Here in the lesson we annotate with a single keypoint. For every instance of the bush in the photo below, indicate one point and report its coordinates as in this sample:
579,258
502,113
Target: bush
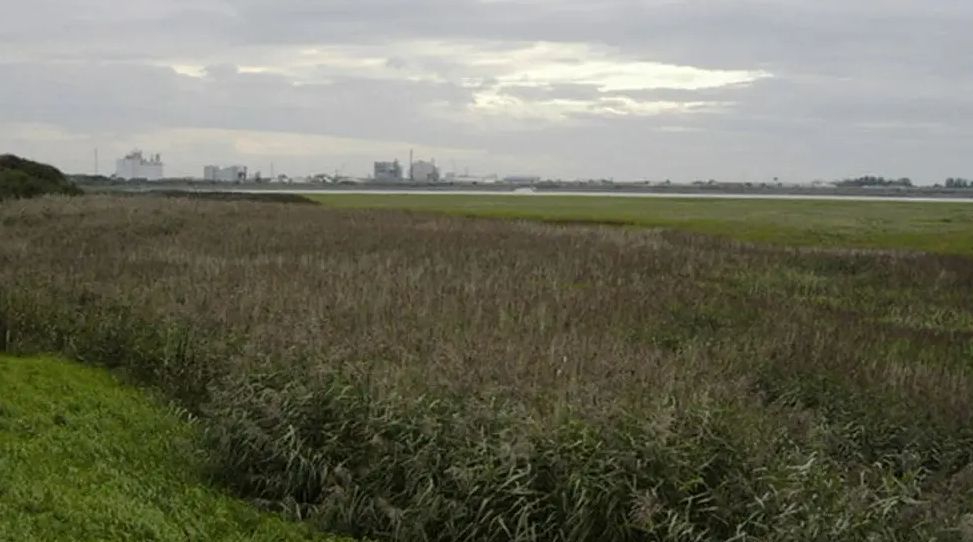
21,179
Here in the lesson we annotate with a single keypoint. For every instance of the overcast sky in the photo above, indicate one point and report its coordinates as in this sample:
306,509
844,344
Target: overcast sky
682,89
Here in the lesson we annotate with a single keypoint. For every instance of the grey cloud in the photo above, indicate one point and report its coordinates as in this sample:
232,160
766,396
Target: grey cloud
84,96
222,72
824,36
553,92
840,103
396,63
795,104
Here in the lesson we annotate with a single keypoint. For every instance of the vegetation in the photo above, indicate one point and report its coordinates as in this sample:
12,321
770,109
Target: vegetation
936,227
21,178
958,183
275,197
83,458
402,376
872,180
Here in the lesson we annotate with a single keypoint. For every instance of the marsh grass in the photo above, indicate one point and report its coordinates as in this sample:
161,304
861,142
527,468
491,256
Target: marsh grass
945,228
402,376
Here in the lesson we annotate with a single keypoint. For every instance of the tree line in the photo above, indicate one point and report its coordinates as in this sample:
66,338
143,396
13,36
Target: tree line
905,182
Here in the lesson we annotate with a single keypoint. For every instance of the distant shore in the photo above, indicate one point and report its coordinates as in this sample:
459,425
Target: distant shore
828,192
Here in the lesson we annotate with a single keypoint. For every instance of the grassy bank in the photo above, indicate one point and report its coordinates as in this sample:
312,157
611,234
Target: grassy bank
426,377
83,458
938,227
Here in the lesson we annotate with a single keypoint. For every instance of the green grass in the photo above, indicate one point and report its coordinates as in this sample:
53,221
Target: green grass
84,458
945,228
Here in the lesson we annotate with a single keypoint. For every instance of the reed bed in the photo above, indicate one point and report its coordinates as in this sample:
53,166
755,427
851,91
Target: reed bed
400,376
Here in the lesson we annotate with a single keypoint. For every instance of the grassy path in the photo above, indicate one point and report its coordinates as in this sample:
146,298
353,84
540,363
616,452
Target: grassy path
84,458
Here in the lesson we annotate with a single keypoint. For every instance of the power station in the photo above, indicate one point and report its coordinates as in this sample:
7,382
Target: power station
419,171
138,166
227,174
135,165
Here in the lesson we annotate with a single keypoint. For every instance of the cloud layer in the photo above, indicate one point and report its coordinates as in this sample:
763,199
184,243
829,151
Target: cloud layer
734,90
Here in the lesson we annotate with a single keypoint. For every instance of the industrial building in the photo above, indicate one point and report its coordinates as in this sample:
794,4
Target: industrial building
227,174
522,179
135,165
423,171
452,177
388,171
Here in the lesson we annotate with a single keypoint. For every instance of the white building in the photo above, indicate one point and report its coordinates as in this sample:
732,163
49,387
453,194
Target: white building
226,174
425,171
136,166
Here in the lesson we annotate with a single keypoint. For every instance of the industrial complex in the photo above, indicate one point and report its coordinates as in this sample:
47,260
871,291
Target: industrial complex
137,166
419,171
421,174
228,173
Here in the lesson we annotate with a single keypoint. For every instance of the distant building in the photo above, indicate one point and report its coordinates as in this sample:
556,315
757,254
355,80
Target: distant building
225,174
425,171
522,179
136,166
469,179
388,171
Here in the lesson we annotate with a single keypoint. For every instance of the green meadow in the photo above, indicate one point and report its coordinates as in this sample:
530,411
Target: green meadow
943,227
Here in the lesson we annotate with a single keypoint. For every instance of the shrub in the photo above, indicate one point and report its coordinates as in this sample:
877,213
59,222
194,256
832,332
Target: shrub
21,178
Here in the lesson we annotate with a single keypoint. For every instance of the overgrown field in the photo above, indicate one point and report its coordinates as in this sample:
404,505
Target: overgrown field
400,376
931,226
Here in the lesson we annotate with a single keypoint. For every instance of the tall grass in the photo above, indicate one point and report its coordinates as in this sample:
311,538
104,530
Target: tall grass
406,377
